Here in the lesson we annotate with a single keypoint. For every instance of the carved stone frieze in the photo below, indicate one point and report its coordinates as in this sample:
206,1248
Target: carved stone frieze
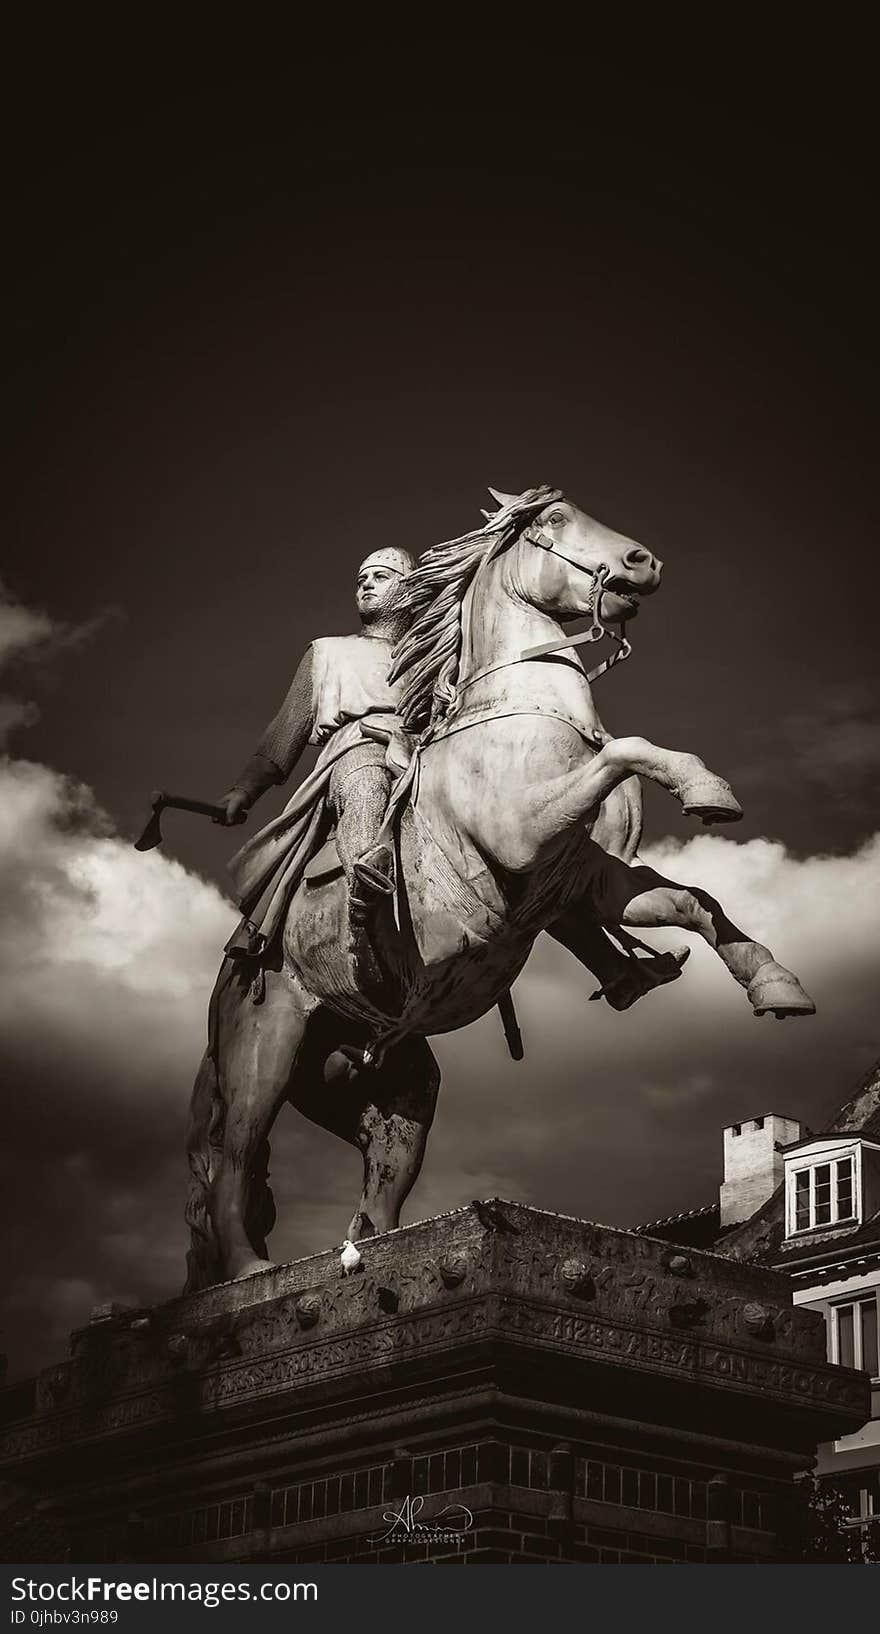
566,1286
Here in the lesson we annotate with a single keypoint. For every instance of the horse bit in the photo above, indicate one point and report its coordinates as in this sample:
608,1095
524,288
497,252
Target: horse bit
595,633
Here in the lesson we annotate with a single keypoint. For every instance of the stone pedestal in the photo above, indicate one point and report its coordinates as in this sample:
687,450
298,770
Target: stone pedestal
498,1384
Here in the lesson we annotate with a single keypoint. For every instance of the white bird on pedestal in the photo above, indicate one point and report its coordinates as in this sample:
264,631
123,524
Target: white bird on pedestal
349,1259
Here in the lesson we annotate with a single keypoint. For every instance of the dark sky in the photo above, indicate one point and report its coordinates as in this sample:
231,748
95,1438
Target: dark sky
262,323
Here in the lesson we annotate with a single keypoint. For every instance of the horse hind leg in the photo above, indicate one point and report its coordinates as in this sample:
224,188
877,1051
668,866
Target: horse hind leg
258,1049
205,1142
392,1132
204,1260
385,1113
204,1146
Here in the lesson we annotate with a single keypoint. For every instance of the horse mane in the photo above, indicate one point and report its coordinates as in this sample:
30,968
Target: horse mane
431,597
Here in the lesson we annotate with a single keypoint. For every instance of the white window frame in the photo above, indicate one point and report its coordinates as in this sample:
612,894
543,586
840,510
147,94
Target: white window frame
834,1330
808,1164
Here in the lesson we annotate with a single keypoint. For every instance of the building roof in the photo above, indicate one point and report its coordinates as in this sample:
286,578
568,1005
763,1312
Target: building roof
760,1238
695,1227
828,1134
673,1219
834,1246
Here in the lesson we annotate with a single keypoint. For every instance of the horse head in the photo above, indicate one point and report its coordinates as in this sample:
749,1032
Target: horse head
546,553
568,564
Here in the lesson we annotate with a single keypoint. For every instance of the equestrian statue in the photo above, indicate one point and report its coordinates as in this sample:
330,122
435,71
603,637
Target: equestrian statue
466,797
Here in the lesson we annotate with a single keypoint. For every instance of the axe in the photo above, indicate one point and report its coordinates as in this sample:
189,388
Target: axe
152,835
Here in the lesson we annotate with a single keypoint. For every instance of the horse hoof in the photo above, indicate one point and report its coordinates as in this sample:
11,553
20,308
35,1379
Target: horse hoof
775,991
710,799
707,818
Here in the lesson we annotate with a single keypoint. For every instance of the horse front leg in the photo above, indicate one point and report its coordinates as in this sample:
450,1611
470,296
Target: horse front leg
702,793
522,836
640,897
769,986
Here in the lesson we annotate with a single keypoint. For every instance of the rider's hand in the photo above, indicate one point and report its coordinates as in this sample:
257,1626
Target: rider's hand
235,808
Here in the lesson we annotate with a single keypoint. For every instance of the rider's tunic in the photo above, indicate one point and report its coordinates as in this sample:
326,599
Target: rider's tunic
341,680
349,680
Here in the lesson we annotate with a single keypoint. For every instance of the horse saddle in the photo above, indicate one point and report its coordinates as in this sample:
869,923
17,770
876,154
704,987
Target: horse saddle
325,864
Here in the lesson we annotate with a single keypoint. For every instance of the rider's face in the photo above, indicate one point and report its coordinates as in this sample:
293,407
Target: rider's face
375,588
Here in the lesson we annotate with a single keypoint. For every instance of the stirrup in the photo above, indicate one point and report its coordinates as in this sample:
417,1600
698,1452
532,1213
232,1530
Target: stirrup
644,975
373,874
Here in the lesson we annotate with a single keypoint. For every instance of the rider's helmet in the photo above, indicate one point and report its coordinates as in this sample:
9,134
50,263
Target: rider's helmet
399,561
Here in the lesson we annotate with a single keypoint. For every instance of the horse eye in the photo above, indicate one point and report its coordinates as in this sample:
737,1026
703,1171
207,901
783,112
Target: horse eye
556,520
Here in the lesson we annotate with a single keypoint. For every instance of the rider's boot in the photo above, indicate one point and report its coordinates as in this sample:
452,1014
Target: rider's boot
636,977
374,934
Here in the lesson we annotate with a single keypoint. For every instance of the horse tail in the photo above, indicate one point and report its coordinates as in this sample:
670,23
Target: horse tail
207,1122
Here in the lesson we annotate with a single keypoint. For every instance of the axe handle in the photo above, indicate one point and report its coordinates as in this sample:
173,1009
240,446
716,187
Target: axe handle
179,802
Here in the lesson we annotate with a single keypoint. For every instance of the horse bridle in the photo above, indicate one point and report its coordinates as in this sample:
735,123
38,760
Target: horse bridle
596,632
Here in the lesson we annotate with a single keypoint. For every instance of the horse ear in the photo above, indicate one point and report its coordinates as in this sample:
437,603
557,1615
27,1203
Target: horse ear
503,499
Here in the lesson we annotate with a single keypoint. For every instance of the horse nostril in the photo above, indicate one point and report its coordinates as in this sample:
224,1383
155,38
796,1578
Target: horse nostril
640,557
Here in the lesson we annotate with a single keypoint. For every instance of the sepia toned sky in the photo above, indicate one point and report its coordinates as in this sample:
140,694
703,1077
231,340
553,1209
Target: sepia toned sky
259,326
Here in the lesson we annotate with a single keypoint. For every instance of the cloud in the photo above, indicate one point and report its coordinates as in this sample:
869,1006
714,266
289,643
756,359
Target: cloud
619,1117
107,958
33,634
20,627
32,638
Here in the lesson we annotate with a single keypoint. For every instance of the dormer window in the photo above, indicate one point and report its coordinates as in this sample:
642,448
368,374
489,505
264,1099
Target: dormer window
825,1179
823,1194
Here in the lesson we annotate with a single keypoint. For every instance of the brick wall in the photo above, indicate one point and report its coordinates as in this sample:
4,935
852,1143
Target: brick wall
527,1503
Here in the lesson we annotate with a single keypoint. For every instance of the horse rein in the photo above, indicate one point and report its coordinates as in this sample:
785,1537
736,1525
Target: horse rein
595,633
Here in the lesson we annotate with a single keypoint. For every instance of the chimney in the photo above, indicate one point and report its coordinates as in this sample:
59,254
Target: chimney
753,1164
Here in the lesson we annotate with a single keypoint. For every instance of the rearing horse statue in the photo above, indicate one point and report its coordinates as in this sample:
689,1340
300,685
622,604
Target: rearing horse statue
518,814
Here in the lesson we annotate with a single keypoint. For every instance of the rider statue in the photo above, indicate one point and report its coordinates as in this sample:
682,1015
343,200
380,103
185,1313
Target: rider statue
340,700
442,829
340,682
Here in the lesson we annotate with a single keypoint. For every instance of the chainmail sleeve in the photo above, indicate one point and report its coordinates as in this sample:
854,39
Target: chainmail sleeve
289,731
284,739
